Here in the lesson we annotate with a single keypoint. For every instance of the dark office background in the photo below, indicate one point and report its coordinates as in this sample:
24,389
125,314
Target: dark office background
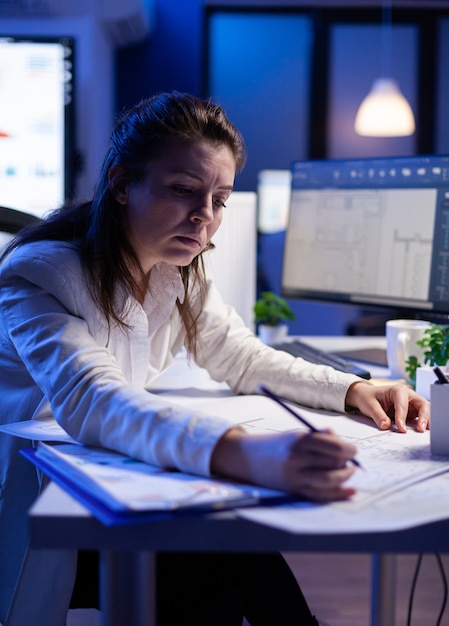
291,78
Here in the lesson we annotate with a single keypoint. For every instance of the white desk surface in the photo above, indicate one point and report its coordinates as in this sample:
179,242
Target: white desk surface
57,521
342,342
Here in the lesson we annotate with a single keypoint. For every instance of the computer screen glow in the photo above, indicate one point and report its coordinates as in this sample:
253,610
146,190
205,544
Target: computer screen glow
373,232
36,108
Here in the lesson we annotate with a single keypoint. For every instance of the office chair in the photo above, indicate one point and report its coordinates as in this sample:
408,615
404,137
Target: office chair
11,221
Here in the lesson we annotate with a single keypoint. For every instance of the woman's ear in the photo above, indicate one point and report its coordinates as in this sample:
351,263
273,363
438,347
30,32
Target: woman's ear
118,185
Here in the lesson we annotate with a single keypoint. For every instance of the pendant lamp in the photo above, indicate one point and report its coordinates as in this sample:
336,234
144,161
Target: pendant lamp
385,111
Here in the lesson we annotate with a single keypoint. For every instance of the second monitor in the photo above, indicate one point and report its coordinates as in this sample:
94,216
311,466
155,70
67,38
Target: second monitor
370,232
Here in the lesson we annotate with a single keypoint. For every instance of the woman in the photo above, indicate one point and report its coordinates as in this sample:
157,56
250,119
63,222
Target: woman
94,304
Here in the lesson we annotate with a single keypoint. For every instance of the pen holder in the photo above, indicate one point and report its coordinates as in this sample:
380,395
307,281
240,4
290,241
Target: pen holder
439,419
425,377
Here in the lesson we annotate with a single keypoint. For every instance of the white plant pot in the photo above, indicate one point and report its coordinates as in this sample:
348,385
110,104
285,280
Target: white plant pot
273,334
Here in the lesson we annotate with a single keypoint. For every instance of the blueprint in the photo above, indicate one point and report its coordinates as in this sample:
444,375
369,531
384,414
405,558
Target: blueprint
366,241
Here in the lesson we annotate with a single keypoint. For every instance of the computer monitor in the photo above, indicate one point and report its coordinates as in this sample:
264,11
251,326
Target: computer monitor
36,122
370,232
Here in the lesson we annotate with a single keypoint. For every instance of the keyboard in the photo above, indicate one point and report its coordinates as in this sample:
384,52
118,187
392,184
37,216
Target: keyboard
320,357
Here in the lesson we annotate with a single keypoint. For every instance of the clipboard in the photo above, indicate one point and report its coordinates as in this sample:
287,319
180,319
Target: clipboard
119,490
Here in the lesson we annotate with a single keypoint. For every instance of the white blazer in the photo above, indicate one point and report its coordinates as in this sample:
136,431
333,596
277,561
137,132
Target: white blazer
57,355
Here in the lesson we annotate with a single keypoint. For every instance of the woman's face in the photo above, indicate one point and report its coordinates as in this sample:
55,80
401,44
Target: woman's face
176,209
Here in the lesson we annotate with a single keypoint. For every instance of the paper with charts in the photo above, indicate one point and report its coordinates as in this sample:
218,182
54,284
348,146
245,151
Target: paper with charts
128,486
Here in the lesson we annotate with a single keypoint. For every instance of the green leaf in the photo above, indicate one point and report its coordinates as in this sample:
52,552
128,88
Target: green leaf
436,349
271,309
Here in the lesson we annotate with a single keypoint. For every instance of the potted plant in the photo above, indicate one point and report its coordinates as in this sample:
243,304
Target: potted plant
270,311
435,343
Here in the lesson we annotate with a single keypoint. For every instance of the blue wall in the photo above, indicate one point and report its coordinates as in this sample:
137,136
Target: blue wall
259,69
170,59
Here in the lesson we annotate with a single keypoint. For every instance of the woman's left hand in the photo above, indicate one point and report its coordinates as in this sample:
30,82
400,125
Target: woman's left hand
390,402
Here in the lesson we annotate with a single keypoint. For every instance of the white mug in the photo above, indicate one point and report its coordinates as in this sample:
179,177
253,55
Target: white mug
402,336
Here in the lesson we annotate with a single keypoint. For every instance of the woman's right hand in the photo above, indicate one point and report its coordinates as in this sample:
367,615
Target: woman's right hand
313,465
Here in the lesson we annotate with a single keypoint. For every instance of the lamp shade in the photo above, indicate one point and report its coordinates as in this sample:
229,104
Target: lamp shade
385,112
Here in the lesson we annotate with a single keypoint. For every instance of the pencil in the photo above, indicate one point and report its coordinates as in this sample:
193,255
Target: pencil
440,375
299,417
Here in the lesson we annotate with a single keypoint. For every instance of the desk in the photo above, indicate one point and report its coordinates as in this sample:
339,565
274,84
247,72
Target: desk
127,565
59,522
